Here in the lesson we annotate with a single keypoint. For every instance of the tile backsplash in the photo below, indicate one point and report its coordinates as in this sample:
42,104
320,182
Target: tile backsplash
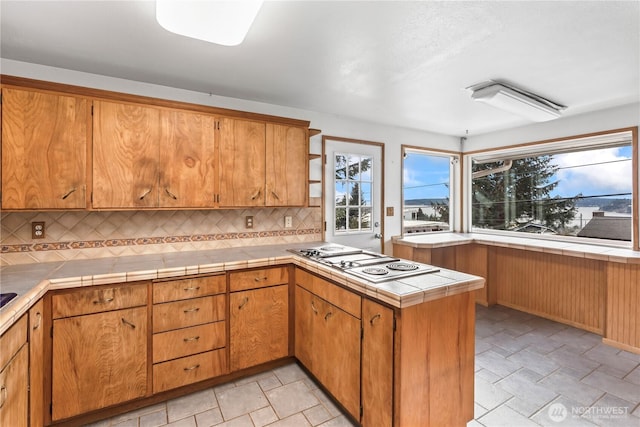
86,235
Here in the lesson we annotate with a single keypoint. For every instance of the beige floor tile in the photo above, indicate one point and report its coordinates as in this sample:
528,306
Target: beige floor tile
241,400
291,398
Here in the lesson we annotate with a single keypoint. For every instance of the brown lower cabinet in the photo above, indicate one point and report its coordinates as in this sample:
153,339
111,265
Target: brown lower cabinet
14,369
116,347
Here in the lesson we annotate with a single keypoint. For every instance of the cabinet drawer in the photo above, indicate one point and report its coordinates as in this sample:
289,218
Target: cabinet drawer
175,290
76,303
14,402
188,370
187,341
191,312
341,298
12,340
251,279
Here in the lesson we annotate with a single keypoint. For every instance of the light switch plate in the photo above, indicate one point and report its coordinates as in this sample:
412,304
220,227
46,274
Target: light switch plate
288,222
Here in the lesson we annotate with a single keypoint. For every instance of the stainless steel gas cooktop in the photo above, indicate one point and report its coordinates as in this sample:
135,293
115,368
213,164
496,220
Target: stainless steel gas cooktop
366,265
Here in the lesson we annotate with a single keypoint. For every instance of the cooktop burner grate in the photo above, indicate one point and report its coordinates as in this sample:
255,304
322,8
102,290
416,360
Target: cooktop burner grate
331,248
376,271
402,266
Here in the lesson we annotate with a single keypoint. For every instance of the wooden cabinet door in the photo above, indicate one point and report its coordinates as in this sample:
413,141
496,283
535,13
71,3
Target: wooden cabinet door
14,391
287,149
305,313
259,326
125,155
36,364
188,169
377,364
99,360
44,150
242,163
336,354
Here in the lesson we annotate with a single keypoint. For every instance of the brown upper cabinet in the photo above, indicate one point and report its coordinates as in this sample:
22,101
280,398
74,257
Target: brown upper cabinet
146,157
142,153
44,150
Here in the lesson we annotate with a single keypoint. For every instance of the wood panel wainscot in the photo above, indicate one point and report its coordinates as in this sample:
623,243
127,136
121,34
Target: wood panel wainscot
623,300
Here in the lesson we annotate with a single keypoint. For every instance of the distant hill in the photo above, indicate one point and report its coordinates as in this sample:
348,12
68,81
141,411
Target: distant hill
607,204
424,202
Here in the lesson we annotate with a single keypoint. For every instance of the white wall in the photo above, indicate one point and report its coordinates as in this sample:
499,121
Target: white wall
332,125
613,118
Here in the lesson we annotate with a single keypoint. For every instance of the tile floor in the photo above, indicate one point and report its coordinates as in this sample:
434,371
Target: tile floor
529,372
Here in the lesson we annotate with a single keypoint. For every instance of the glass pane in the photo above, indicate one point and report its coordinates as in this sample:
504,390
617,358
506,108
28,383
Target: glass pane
341,166
365,194
365,219
354,194
341,193
426,189
366,169
354,219
354,168
341,219
584,193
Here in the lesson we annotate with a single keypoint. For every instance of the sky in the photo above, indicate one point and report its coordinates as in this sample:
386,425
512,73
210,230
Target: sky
608,172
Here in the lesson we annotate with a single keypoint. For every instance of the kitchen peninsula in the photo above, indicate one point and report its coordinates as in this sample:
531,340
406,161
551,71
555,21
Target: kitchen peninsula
399,352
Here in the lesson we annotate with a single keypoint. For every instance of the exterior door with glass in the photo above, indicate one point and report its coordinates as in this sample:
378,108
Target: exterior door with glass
353,204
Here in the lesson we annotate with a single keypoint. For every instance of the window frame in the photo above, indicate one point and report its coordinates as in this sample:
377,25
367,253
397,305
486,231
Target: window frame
603,139
455,194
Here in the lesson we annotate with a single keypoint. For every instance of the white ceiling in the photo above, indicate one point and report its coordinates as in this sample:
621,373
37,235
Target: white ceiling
399,63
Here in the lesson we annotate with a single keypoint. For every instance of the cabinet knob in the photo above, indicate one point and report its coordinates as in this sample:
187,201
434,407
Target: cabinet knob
146,193
39,317
189,339
243,303
328,316
260,279
255,196
374,318
313,307
191,368
192,288
192,310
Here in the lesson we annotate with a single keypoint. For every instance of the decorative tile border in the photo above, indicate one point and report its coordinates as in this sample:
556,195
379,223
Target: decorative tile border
140,241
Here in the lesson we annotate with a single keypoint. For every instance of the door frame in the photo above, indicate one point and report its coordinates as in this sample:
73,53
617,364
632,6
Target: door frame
381,180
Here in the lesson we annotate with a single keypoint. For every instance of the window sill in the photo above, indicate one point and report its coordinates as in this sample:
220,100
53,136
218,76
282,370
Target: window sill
579,250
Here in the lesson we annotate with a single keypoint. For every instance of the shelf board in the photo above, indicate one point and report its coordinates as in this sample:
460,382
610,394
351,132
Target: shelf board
314,132
314,156
315,181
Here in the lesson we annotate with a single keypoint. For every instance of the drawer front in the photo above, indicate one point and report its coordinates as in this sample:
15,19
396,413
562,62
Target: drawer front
182,314
14,399
341,298
12,340
184,342
176,290
189,370
90,301
252,279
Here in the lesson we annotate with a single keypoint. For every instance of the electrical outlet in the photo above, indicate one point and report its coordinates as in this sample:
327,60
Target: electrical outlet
288,222
37,230
248,221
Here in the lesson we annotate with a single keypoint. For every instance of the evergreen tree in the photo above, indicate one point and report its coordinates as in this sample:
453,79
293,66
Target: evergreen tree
522,192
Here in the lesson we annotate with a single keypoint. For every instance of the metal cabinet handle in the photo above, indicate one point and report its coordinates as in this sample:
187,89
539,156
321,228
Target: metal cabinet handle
191,368
173,196
192,288
243,303
37,325
192,310
68,193
255,196
374,318
103,301
275,195
3,395
196,338
260,279
146,193
313,307
126,322
328,316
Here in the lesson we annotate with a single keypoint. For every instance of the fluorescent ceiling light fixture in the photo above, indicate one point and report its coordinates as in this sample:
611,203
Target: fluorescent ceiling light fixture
514,100
221,22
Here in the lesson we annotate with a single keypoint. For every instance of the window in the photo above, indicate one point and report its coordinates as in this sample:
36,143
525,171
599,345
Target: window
580,188
427,189
353,196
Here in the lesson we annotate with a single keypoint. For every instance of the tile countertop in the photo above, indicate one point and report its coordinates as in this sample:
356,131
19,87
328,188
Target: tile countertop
581,250
32,281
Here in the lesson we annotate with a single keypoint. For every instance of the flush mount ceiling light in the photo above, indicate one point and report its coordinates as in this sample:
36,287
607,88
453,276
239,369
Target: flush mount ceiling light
514,100
220,22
